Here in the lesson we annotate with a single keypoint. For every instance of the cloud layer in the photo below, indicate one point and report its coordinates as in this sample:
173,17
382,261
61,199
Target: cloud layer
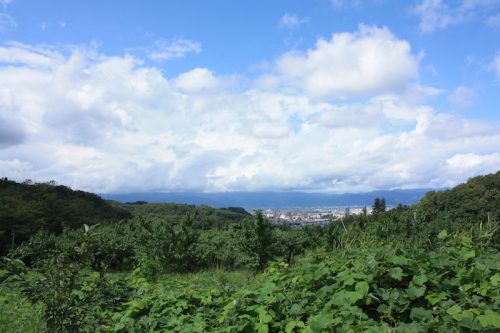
347,115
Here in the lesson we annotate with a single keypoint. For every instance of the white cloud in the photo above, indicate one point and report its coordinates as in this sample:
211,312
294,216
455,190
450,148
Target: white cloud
367,62
292,21
434,14
111,123
462,97
7,23
471,163
198,79
176,48
17,53
438,14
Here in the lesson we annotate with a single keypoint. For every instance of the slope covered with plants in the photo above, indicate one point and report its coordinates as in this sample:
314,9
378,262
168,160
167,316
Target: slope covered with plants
431,267
28,207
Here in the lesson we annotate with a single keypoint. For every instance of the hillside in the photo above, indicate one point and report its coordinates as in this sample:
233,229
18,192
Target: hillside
181,268
206,217
26,208
470,202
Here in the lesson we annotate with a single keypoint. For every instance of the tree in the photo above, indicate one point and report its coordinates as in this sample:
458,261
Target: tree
378,206
257,239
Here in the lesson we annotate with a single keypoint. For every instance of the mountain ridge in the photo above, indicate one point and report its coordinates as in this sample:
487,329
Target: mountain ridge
268,199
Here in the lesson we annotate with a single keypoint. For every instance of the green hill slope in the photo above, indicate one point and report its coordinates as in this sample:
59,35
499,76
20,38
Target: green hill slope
26,208
470,202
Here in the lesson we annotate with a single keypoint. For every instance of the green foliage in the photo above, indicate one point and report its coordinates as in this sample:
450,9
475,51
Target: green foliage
471,202
454,288
256,240
164,247
206,217
378,206
73,296
18,314
27,208
433,267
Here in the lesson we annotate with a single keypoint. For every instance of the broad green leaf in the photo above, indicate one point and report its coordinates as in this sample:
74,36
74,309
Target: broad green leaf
345,297
420,314
321,321
362,288
396,273
489,319
495,279
415,292
400,260
455,312
262,328
294,324
434,298
264,316
419,280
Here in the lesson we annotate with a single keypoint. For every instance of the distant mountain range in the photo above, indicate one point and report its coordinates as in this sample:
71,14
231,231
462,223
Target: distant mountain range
273,199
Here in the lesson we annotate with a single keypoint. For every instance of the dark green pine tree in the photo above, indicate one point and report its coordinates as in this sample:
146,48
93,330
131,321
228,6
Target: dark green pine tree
376,207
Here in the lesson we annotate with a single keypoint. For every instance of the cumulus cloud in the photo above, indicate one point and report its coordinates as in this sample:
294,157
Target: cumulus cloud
198,79
462,97
176,48
367,62
292,21
113,124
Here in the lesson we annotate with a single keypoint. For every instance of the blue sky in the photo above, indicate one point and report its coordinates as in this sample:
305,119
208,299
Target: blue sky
249,95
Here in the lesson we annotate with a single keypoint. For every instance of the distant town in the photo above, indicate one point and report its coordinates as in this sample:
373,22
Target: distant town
296,217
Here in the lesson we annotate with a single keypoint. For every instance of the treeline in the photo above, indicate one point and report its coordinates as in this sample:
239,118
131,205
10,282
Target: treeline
206,217
474,203
180,238
28,207
156,246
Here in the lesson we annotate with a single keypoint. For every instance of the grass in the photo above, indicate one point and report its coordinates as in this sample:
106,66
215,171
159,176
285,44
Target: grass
17,314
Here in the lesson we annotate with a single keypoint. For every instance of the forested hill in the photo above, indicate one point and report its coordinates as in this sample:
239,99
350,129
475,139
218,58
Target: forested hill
472,201
28,207
206,217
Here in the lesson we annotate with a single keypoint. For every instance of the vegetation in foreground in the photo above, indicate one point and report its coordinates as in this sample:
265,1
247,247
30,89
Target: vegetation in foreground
431,267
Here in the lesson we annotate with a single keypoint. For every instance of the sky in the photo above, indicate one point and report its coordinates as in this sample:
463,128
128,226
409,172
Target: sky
283,95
